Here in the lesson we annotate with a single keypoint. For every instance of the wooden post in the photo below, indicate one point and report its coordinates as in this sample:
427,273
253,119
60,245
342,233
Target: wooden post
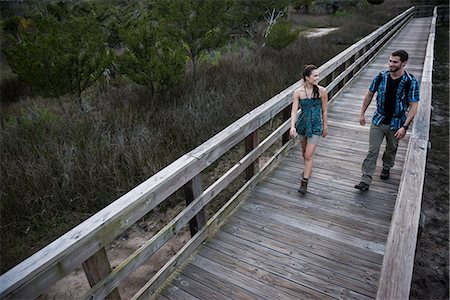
251,142
192,190
96,268
286,115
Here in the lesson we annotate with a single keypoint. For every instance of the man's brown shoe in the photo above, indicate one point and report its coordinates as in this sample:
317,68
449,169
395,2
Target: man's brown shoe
362,186
384,174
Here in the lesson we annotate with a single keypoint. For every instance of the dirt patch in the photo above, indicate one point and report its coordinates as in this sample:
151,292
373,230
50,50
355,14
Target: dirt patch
318,32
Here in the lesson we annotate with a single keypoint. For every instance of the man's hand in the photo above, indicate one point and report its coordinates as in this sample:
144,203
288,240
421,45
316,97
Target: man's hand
401,132
362,120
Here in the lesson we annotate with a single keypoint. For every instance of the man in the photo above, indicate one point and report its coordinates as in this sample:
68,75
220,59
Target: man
397,102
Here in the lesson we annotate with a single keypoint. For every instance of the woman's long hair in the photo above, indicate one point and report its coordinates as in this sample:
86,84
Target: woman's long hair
307,72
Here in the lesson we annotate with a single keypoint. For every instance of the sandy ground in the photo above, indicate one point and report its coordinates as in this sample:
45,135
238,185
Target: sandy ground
320,32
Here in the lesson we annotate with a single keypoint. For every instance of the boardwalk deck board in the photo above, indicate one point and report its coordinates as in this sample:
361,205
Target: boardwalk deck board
326,244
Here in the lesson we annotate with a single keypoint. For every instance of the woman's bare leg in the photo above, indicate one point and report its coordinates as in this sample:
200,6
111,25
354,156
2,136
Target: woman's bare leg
303,148
308,158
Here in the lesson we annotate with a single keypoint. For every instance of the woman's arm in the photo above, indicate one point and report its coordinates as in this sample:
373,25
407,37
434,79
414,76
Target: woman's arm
324,97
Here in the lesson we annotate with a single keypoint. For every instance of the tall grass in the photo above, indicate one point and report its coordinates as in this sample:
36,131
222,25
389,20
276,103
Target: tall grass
60,165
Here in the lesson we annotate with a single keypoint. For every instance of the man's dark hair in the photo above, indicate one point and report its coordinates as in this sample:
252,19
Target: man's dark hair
402,54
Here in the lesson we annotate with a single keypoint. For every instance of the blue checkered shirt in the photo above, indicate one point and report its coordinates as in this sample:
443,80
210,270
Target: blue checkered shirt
401,100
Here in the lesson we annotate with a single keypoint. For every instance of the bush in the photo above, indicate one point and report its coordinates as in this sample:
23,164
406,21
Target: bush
331,6
281,36
12,90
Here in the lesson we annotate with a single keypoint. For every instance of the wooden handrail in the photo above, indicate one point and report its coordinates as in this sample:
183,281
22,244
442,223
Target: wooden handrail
35,274
398,260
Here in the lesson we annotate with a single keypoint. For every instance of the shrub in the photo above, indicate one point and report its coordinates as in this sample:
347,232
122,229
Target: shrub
281,36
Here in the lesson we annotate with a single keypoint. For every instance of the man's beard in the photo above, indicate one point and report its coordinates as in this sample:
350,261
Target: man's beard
394,69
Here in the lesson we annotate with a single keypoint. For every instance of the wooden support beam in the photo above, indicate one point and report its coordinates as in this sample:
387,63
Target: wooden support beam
96,268
251,142
286,116
192,190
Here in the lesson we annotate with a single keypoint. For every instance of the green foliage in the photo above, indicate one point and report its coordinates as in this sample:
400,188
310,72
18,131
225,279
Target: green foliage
245,13
36,121
303,5
152,58
281,36
59,54
332,6
201,25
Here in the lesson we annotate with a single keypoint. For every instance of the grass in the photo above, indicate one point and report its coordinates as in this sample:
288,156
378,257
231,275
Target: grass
59,165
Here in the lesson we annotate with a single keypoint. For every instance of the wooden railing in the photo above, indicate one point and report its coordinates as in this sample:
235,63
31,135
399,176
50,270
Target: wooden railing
398,261
85,244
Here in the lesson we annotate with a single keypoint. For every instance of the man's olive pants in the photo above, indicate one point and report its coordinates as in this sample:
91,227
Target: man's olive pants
376,135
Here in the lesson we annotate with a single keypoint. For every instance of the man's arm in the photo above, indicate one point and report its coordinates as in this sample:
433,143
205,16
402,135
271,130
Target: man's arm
365,105
401,132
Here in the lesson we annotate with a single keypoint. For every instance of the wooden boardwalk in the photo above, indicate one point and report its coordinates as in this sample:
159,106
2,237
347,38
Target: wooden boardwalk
328,243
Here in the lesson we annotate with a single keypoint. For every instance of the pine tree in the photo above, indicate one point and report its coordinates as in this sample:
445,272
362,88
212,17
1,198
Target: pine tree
59,55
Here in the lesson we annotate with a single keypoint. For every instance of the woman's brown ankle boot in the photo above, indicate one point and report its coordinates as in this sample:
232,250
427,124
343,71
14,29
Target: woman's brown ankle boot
303,186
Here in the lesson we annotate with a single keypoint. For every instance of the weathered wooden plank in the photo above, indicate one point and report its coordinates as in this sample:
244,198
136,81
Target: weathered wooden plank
261,283
291,202
398,261
337,175
197,289
376,192
306,280
421,127
192,190
98,267
217,283
350,173
301,270
283,254
251,142
339,210
319,250
323,226
372,245
379,214
351,165
160,297
173,292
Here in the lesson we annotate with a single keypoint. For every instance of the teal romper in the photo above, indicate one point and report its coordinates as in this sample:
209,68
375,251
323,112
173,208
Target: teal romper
309,121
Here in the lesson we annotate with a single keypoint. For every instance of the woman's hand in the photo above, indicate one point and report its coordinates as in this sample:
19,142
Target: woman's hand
324,131
293,132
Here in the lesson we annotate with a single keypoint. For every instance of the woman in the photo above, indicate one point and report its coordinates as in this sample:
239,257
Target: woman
312,121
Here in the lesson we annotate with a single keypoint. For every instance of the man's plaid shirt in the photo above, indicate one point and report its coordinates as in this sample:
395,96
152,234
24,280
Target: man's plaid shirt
401,100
